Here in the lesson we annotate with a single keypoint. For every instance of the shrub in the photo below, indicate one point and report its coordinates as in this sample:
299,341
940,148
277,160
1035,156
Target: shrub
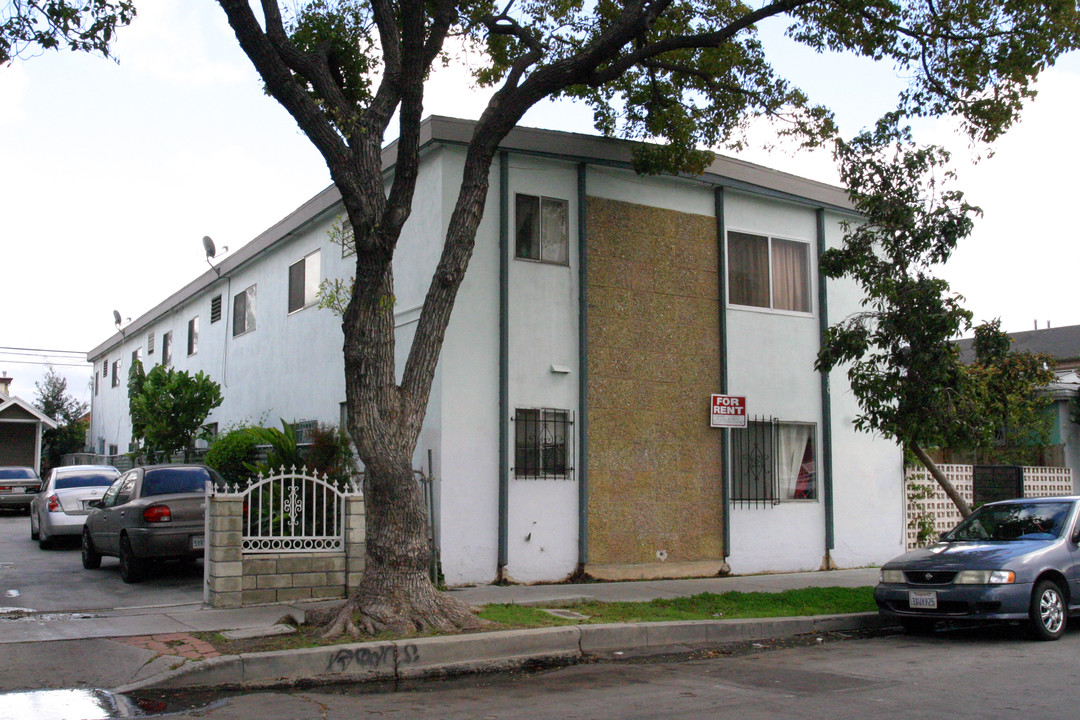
232,453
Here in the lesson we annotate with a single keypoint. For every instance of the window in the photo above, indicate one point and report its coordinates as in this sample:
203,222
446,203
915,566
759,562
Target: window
543,444
116,373
541,229
343,232
193,336
244,312
304,282
105,368
215,309
136,356
150,344
166,348
768,272
773,461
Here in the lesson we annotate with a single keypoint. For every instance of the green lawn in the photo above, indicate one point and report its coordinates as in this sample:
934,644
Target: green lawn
706,606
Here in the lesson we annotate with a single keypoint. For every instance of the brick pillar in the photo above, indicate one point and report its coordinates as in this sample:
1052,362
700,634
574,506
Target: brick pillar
355,545
224,552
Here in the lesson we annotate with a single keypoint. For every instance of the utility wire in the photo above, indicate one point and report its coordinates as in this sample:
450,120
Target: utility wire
47,352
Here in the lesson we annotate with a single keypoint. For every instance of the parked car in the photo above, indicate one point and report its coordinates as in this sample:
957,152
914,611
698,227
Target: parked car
1011,560
62,504
17,487
149,514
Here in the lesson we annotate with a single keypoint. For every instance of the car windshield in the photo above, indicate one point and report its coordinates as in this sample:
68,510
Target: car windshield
88,478
16,473
1013,521
172,481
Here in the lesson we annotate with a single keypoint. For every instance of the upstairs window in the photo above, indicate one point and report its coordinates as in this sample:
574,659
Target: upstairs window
543,444
150,344
768,272
193,336
136,356
304,282
116,373
542,229
244,312
166,348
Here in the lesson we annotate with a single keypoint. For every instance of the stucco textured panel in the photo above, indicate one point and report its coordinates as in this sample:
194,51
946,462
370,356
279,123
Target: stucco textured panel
655,474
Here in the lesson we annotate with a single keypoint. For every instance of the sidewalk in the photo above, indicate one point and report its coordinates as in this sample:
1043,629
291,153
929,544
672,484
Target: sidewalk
129,648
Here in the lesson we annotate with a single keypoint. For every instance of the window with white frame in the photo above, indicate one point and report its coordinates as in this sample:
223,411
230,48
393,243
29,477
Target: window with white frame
304,282
543,444
773,461
116,373
136,356
244,311
166,348
542,229
768,272
193,336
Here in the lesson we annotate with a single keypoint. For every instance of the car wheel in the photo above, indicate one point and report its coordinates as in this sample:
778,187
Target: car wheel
1047,611
131,567
33,528
917,626
44,541
91,560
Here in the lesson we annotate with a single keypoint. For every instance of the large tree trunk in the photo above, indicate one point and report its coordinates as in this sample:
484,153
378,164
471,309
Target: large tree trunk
948,487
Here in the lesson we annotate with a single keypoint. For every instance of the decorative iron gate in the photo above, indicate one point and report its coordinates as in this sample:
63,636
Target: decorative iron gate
753,463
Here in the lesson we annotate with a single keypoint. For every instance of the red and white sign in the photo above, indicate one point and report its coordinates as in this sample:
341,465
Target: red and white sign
728,411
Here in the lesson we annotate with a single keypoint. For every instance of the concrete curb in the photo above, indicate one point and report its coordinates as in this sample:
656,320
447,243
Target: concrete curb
433,656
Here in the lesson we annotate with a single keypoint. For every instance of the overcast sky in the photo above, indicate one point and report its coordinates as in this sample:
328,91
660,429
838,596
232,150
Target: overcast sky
113,172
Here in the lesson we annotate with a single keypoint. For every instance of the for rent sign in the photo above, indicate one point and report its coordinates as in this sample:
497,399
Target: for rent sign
728,411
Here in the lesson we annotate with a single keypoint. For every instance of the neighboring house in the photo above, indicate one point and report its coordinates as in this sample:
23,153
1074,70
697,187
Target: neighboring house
21,427
1062,344
568,427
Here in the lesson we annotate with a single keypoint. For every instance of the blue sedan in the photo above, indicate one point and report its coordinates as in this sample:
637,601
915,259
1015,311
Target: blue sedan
1011,560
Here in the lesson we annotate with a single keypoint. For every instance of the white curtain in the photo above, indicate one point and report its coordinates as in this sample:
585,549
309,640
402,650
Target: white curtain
789,268
793,440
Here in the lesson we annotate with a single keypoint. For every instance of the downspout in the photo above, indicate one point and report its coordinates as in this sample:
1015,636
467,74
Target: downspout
583,372
504,365
826,403
725,433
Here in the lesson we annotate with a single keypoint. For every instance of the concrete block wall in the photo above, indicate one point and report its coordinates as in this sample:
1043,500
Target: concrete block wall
234,579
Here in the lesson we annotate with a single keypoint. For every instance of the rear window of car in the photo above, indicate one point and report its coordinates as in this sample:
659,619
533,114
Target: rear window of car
101,478
17,473
172,481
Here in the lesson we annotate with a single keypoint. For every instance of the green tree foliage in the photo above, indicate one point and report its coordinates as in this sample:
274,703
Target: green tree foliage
169,406
903,369
86,25
1007,383
69,436
684,74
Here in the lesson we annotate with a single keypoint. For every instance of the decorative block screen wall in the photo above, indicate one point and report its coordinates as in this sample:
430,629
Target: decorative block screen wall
1038,482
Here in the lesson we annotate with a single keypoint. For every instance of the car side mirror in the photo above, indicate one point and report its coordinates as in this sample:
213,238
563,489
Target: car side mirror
1076,536
94,504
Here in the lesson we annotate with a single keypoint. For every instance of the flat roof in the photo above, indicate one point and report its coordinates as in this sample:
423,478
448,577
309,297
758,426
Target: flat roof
440,130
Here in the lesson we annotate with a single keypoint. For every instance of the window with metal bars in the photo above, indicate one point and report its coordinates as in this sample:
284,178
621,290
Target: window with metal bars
543,444
773,461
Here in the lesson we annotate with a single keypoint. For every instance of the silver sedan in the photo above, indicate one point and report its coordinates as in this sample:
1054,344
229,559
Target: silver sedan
63,503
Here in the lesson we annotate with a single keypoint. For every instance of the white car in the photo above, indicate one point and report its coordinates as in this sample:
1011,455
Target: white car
63,503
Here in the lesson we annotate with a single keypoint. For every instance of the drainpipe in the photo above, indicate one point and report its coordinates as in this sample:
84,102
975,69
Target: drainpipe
826,401
504,364
583,372
725,433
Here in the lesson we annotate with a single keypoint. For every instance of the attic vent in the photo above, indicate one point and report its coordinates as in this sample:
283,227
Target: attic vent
150,344
215,309
105,368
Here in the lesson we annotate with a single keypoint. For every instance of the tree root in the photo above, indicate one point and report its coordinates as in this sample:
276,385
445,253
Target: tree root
418,612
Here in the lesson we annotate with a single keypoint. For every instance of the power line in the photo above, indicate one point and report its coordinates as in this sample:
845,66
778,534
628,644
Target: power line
42,362
47,352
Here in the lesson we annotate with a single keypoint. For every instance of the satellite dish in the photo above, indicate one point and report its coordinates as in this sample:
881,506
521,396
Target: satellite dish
116,317
208,245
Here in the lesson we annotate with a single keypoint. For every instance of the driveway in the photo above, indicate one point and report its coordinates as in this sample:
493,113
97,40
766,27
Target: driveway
55,581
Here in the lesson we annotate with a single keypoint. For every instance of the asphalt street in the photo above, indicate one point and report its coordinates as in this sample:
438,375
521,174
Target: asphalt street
55,580
960,674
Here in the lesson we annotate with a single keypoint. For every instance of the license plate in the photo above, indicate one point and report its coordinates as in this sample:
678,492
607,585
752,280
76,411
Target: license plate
198,542
13,490
922,599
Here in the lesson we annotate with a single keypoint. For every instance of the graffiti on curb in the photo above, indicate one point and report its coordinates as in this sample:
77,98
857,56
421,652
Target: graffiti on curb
372,658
